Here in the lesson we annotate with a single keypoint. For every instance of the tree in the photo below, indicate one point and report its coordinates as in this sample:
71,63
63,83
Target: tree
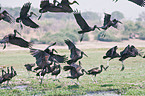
117,15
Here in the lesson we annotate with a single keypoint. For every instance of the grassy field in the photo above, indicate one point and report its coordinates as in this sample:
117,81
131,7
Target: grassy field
131,81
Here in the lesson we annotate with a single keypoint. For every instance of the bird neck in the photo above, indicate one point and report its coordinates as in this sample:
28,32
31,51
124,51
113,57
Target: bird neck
94,27
101,68
8,69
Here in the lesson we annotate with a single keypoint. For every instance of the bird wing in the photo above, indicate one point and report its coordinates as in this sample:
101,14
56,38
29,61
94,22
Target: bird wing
75,52
41,57
58,58
138,2
81,22
44,3
125,51
106,18
20,42
69,44
25,9
93,69
30,23
7,17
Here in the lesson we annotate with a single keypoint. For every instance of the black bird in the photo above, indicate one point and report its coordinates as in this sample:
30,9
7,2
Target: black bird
111,53
47,57
12,39
129,51
95,71
75,73
83,25
76,53
6,17
29,66
108,22
42,74
8,76
46,6
25,18
138,2
56,72
1,77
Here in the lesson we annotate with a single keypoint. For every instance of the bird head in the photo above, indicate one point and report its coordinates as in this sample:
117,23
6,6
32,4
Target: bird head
116,47
101,66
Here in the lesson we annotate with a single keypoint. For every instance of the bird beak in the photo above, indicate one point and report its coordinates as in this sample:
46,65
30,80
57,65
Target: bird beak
51,45
18,32
85,54
77,3
120,22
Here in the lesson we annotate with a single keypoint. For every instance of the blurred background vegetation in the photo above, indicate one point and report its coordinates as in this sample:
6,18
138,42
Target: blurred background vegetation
55,27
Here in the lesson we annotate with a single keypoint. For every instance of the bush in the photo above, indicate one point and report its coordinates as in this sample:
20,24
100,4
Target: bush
107,37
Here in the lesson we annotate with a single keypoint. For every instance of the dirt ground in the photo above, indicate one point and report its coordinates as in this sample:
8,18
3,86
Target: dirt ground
83,45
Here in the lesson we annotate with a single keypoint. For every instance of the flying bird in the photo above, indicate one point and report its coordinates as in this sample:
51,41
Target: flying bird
129,51
46,6
47,56
83,25
138,2
12,39
75,53
111,53
108,22
74,72
6,17
25,18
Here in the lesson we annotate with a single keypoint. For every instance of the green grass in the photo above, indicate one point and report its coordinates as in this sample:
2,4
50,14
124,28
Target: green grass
131,81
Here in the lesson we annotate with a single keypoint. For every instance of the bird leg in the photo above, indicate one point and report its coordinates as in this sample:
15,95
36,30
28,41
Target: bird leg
40,16
107,62
41,77
82,37
122,66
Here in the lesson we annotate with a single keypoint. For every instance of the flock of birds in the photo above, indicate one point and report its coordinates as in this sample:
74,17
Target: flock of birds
48,60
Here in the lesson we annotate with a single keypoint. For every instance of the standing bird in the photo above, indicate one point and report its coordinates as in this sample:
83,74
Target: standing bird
29,67
76,53
6,17
83,25
74,72
108,23
42,74
47,57
129,51
25,18
95,71
111,53
8,76
56,72
138,2
12,39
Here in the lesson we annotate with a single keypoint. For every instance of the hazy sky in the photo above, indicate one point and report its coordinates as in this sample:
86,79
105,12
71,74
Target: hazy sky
129,9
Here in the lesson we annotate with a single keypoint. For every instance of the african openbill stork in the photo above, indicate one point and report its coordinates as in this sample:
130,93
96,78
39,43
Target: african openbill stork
47,57
29,67
138,2
25,18
76,53
111,53
46,6
12,39
83,24
56,72
108,22
8,76
74,72
129,51
95,71
6,17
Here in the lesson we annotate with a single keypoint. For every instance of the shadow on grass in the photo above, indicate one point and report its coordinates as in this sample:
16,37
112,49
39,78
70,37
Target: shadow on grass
73,86
107,85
